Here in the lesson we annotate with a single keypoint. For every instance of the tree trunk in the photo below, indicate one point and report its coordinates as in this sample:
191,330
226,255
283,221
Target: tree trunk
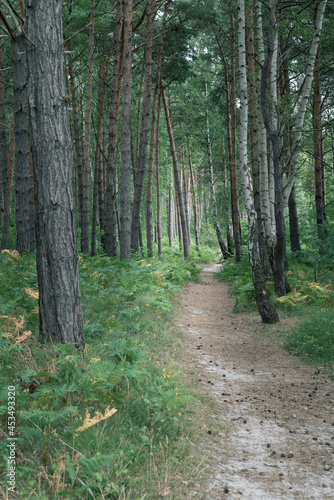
60,311
22,168
178,185
99,151
149,232
8,192
86,148
157,169
266,308
319,166
193,192
110,237
77,137
279,251
233,159
293,219
144,129
255,139
3,131
125,232
216,224
32,232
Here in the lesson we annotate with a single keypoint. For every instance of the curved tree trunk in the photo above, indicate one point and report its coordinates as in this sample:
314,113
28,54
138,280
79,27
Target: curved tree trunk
60,311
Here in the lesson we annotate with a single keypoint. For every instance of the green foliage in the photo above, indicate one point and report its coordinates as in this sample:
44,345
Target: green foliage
313,339
127,364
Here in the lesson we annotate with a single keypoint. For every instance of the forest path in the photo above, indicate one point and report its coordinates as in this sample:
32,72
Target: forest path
278,414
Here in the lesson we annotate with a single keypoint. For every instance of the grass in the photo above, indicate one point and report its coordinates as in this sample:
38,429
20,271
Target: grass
70,443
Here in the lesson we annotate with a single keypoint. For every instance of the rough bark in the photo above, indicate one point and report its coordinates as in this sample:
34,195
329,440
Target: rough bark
22,168
144,129
60,311
86,146
193,192
265,307
8,190
149,231
157,170
125,230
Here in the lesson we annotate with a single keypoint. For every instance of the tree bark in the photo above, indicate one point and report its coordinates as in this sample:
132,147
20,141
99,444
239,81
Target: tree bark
157,170
86,147
319,166
233,160
8,191
110,237
144,129
60,311
125,230
22,168
193,192
265,307
3,131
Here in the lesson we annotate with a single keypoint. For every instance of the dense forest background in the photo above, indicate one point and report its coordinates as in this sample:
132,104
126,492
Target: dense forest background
134,138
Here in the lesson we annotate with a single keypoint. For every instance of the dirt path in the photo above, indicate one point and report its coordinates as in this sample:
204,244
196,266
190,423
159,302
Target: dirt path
279,413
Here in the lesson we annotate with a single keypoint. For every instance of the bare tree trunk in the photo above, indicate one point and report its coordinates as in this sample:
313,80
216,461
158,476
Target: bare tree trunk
77,137
266,308
216,224
110,237
22,168
233,160
32,215
144,129
3,131
149,232
86,148
319,166
178,186
60,311
125,232
193,192
255,140
9,187
157,167
99,150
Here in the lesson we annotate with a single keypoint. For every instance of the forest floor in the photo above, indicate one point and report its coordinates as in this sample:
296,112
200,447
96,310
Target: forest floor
274,437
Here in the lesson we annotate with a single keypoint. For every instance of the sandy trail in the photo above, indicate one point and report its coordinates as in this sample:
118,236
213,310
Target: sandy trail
279,413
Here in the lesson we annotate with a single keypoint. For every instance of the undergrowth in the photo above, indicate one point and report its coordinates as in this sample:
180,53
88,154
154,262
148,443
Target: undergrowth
311,299
112,422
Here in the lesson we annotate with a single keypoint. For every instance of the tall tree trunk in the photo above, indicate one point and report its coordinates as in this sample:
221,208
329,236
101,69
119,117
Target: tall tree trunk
319,166
266,308
8,191
3,130
216,224
157,170
279,251
149,232
110,237
60,311
255,139
86,148
32,216
77,136
193,192
125,232
185,192
99,150
178,185
233,161
144,129
22,168
293,219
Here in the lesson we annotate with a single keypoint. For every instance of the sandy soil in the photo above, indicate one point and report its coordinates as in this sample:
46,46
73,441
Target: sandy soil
279,414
